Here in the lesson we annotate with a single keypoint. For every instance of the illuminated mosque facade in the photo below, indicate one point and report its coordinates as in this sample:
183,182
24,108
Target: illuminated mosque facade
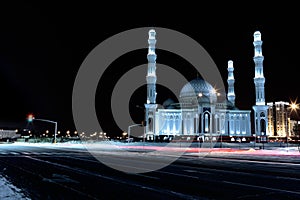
203,113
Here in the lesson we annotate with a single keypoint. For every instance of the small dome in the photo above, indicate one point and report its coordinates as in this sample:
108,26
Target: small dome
229,105
168,103
199,88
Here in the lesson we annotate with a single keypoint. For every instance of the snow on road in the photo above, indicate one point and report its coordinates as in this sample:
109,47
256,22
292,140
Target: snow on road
10,192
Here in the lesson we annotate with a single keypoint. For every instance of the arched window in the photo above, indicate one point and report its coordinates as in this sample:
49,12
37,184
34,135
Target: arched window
206,122
262,126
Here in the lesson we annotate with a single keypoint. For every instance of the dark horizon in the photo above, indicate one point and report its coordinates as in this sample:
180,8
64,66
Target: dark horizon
42,46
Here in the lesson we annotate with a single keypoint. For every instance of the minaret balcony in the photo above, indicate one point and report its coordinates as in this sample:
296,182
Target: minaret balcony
151,57
258,58
151,79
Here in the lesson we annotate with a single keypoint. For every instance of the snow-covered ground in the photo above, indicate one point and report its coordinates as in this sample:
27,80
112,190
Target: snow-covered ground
10,192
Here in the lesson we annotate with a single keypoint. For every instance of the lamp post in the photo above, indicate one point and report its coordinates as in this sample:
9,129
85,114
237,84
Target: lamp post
221,140
287,143
263,139
55,129
31,118
129,127
294,107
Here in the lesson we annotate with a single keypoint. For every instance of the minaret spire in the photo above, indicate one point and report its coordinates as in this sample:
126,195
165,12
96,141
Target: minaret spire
151,75
260,108
259,79
230,81
151,86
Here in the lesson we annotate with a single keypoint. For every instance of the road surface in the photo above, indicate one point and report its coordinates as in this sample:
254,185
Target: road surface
52,172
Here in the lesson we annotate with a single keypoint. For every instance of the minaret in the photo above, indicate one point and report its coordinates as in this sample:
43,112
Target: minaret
151,75
259,79
151,85
260,108
230,81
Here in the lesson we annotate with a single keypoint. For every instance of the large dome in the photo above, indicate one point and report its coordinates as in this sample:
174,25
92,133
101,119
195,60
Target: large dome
200,89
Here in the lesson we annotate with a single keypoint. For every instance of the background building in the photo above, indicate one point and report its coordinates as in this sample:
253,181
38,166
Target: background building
295,130
279,120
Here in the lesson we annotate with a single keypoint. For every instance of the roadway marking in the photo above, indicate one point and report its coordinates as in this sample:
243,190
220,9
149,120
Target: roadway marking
261,187
183,175
195,171
235,172
127,166
60,178
288,178
35,153
251,161
152,177
46,153
86,172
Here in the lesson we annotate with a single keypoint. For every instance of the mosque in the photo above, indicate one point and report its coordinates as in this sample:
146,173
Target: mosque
202,113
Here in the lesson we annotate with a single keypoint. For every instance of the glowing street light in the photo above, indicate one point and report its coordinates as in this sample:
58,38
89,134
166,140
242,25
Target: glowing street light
30,118
294,106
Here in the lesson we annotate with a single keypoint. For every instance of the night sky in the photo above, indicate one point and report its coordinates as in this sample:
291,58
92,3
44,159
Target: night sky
43,45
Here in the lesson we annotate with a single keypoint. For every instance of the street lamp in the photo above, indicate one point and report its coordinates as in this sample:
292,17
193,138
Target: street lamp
294,108
124,135
129,127
30,118
221,140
